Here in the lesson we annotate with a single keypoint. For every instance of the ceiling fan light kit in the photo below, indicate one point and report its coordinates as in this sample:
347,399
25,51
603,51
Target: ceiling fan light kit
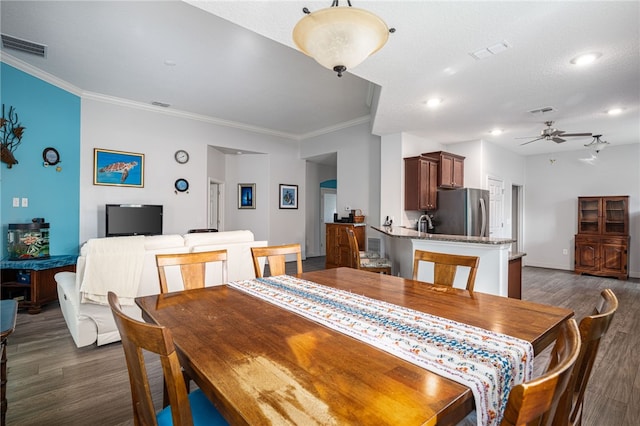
596,144
340,38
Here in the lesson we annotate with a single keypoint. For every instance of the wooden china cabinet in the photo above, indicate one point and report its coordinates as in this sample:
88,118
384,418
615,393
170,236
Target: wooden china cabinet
602,241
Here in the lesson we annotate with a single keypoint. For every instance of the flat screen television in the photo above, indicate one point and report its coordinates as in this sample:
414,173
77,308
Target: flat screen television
133,219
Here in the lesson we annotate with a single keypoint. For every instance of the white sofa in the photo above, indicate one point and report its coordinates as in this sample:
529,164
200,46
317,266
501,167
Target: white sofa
91,322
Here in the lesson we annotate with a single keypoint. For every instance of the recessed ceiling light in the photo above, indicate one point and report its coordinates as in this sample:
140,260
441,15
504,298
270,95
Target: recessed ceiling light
434,102
614,111
496,132
585,59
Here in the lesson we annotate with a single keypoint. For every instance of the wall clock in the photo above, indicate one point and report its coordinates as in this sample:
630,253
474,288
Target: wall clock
181,156
181,185
50,156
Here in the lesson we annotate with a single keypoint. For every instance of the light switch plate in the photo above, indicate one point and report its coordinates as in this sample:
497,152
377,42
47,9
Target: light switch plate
16,202
25,202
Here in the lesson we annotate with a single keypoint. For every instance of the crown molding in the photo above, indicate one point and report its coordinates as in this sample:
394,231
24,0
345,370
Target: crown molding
55,81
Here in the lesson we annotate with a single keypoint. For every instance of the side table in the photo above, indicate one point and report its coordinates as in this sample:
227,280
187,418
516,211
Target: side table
8,312
31,282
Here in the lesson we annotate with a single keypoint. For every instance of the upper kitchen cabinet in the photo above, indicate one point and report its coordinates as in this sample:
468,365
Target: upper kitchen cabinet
420,183
450,168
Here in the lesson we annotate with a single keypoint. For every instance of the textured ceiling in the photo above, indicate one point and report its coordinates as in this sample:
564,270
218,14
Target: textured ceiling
235,62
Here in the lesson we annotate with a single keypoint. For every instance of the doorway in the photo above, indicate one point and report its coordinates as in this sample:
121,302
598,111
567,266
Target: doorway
516,217
328,206
216,205
496,206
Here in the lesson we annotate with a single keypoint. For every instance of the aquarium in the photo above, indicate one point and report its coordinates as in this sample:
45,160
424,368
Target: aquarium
28,241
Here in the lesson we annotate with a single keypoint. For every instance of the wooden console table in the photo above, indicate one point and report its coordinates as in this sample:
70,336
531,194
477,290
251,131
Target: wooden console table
41,286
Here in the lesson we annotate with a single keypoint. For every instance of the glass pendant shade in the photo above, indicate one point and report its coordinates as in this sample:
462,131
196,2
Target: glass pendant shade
340,38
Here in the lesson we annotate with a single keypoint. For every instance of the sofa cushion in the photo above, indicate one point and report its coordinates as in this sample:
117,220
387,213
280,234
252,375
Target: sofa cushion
209,238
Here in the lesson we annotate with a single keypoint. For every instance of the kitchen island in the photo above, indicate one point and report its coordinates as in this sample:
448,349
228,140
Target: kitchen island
493,271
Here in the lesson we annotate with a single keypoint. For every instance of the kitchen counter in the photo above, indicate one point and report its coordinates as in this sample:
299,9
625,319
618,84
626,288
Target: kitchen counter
402,232
399,244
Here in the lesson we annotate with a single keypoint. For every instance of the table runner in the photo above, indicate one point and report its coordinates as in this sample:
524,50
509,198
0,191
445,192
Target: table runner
489,363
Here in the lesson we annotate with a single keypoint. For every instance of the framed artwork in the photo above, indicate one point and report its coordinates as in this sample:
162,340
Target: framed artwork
118,168
288,196
246,195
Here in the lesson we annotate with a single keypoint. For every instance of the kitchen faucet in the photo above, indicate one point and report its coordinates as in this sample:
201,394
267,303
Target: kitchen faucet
429,223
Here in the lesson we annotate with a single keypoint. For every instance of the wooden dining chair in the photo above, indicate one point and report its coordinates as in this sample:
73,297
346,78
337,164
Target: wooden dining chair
276,258
192,267
592,329
445,266
535,402
371,264
184,408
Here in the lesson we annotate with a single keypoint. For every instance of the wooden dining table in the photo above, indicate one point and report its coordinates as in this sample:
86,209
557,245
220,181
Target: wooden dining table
261,364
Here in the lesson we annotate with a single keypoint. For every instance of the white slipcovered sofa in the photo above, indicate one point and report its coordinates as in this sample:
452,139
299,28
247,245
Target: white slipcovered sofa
91,322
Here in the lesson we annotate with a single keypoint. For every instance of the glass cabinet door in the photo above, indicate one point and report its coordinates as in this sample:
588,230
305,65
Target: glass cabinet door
589,215
615,215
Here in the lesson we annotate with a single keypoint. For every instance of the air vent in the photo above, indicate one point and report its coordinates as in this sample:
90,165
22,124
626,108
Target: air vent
373,244
543,110
160,104
9,42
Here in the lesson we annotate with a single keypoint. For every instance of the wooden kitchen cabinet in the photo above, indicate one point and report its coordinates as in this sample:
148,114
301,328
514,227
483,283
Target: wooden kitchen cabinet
337,243
450,168
420,183
602,242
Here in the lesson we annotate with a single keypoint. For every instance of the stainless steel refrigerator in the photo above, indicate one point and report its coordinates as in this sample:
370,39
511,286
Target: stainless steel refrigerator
463,211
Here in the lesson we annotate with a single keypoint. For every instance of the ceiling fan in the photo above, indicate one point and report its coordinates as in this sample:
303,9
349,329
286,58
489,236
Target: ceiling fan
552,134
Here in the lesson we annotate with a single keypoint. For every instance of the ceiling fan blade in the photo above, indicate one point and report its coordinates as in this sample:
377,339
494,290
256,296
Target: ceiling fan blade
577,134
530,141
527,137
556,133
558,140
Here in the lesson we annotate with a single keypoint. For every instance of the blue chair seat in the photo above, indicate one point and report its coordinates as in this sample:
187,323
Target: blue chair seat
202,411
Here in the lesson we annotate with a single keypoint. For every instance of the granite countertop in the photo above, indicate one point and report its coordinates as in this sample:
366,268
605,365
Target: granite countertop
516,255
401,232
347,223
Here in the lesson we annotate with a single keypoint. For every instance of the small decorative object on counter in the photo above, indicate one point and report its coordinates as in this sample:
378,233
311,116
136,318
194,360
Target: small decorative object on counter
28,241
358,217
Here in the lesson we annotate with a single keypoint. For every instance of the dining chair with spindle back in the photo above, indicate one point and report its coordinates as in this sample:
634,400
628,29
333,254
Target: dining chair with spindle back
592,330
184,409
358,261
192,267
445,267
536,401
276,258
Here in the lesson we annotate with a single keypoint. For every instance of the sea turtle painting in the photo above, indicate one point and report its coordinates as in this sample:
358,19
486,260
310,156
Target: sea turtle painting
119,167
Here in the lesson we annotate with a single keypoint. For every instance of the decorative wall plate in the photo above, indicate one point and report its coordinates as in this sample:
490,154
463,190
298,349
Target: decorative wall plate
50,156
181,185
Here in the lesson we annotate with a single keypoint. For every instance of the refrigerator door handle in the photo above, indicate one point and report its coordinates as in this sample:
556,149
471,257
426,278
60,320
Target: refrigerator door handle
483,209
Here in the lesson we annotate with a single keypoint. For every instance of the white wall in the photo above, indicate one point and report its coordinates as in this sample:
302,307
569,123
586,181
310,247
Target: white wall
158,134
551,202
358,179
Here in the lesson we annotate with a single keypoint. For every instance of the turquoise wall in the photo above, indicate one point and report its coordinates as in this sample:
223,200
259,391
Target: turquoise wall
52,119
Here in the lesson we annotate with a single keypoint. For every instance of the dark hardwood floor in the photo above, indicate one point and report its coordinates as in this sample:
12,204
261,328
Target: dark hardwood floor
52,382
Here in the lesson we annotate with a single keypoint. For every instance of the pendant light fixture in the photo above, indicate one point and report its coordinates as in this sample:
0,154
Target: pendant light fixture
340,38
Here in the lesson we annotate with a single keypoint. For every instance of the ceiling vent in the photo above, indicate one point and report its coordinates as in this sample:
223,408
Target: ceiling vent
9,42
543,110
